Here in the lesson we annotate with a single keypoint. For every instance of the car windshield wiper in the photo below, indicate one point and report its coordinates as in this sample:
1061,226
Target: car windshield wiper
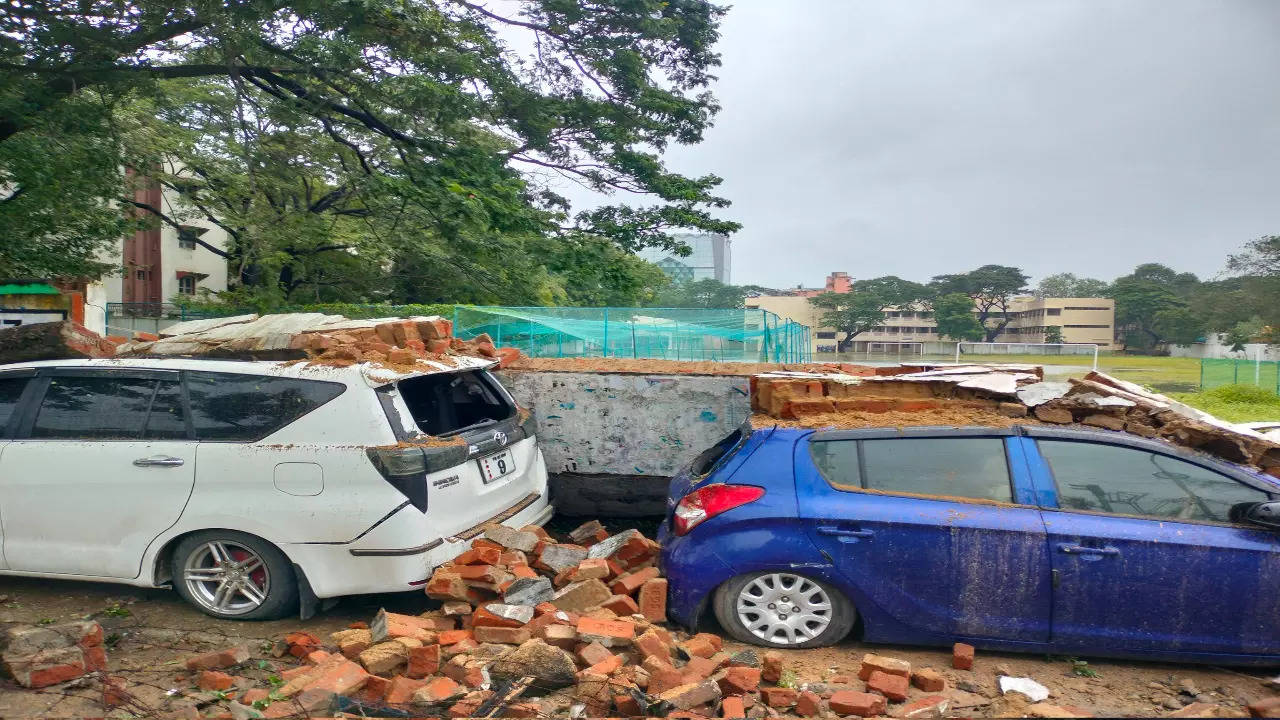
472,426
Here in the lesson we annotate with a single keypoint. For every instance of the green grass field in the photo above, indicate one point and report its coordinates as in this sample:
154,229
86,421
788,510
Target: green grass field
1177,377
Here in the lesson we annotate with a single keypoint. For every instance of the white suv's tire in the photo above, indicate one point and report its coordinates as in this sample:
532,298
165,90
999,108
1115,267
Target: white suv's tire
234,576
783,610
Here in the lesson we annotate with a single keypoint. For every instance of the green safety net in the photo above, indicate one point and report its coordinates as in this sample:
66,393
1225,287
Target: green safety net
1216,372
750,335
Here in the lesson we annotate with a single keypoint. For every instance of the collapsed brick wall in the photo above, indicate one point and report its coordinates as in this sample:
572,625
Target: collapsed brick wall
793,398
52,341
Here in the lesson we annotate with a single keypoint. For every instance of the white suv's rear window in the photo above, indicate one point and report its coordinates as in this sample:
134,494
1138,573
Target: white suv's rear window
444,404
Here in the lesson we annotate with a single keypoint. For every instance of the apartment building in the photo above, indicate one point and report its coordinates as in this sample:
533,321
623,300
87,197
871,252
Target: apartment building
1081,320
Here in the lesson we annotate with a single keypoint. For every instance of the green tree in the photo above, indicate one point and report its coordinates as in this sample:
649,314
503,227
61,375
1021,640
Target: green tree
1053,333
856,312
1068,285
1153,307
1244,332
991,290
397,133
954,314
704,293
1259,257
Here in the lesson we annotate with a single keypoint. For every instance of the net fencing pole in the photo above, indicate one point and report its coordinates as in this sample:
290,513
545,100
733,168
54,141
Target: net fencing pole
957,352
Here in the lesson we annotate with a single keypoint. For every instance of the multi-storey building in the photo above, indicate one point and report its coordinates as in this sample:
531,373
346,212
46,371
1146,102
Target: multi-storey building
711,258
1080,320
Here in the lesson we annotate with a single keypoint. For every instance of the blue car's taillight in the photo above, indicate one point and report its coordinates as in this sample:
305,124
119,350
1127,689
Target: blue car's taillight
709,501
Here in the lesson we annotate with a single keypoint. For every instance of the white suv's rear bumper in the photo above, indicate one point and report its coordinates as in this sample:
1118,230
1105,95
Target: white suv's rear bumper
335,570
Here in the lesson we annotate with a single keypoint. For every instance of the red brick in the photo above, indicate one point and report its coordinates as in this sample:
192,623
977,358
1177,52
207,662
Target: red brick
808,704
468,673
800,407
451,637
926,707
606,632
439,689
402,690
315,657
214,680
46,675
374,689
698,669
650,643
631,582
663,679
478,573
1268,708
698,647
887,665
732,707
893,687
776,697
591,568
253,695
523,571
435,329
849,702
740,680
627,706
114,692
484,617
503,635
608,666
95,658
653,600
621,605
962,656
772,667
423,661
562,636
219,659
592,653
447,586
340,680
929,680
479,556
302,644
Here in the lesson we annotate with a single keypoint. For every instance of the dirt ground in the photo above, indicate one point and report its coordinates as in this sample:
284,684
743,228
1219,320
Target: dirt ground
150,633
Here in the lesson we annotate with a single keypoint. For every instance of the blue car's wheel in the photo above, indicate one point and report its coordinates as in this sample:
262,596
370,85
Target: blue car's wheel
782,609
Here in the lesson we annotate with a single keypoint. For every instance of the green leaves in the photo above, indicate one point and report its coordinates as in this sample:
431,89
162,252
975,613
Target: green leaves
333,142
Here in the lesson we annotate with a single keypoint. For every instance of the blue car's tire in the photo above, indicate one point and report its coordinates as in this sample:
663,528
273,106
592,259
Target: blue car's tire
783,609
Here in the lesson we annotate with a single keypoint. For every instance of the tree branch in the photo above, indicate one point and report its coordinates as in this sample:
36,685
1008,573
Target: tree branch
174,223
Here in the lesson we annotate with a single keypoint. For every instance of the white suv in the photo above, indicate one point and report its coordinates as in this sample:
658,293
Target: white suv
257,488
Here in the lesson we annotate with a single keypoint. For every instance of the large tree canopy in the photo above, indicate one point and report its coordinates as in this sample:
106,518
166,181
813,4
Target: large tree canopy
863,308
1067,285
424,136
992,289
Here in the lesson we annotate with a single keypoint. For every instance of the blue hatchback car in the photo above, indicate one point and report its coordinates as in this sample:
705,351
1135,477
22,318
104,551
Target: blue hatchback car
1036,539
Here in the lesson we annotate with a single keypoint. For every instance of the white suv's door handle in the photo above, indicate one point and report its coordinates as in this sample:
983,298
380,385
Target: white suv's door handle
159,461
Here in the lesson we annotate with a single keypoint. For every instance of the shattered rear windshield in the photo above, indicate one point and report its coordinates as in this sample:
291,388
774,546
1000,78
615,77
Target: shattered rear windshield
444,404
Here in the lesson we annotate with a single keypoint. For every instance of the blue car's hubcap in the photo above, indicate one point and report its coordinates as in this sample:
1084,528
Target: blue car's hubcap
784,609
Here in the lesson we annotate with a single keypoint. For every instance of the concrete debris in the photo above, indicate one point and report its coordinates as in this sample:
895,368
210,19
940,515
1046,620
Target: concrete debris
1042,392
1032,689
40,656
53,341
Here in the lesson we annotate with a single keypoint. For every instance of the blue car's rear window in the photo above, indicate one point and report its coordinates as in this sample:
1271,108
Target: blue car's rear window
966,467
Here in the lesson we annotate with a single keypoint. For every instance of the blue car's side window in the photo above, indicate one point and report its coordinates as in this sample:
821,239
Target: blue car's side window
971,467
1095,477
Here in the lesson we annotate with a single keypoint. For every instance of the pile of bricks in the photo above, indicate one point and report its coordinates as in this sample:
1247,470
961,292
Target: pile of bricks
324,339
527,627
38,656
901,388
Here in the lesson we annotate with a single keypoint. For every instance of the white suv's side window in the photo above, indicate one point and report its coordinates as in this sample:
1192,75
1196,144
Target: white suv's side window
110,407
10,393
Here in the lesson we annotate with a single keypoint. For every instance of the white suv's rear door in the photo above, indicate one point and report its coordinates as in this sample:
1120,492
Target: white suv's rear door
101,464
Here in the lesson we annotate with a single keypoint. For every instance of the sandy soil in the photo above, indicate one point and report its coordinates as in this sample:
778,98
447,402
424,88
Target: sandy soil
152,631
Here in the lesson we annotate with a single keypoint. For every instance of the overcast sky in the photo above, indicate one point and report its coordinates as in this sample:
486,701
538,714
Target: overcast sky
913,138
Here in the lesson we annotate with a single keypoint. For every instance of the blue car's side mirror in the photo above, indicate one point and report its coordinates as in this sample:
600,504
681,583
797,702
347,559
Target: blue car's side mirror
1266,514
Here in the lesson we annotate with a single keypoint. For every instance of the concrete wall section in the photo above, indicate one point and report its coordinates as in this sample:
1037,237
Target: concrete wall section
627,425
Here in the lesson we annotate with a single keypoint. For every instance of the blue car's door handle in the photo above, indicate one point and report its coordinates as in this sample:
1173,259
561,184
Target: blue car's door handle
1073,549
839,532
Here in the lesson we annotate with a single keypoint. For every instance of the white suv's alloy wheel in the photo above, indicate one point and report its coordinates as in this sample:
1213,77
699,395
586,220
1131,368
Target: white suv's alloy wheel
784,609
227,578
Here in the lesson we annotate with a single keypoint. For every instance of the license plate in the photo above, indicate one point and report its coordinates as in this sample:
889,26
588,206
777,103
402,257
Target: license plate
497,465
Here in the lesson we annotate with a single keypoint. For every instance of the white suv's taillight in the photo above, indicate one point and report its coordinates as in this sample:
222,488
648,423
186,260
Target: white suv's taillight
707,502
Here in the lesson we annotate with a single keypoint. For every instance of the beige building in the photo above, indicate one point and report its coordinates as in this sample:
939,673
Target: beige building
1082,320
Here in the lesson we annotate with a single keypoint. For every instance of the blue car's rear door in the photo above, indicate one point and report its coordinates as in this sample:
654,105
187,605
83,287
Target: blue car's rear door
1144,554
927,527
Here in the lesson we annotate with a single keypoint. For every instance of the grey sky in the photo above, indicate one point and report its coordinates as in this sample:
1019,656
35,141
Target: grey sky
913,138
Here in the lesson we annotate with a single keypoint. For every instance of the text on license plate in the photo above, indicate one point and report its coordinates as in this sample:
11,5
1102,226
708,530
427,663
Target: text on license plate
497,465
